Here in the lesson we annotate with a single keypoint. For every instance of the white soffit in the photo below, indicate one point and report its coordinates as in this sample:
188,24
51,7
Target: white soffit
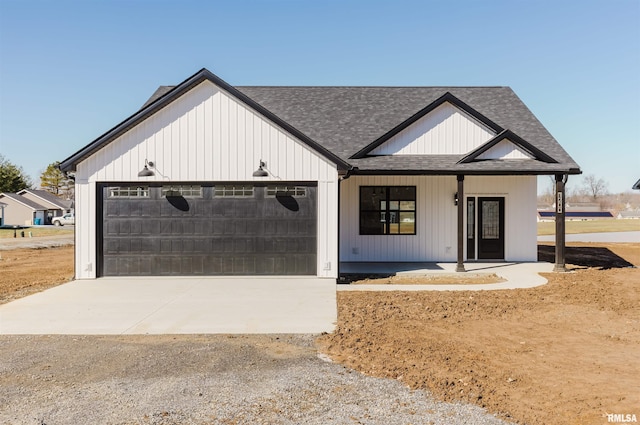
505,149
447,130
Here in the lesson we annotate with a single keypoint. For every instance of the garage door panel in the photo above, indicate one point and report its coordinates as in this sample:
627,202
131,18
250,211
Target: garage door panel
187,246
212,265
214,235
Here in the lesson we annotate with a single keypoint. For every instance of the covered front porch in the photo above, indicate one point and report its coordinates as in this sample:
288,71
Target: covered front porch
442,221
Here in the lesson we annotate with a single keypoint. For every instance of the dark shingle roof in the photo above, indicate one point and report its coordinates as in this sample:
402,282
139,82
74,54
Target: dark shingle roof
49,197
25,201
160,91
340,122
346,120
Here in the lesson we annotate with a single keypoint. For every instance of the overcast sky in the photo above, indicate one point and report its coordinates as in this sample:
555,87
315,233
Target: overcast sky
70,70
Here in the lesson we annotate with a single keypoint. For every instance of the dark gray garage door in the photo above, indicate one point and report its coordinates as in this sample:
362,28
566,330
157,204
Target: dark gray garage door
221,229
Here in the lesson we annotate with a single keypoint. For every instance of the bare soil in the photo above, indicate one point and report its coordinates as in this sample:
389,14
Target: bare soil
27,271
566,352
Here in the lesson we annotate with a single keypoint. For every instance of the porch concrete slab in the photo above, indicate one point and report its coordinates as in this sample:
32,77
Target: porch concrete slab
113,306
516,275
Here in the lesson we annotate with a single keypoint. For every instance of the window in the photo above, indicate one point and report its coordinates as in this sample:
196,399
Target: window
234,191
189,191
387,210
129,192
294,191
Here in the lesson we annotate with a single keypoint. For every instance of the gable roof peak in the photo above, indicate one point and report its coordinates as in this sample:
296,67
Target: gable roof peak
447,97
173,94
518,141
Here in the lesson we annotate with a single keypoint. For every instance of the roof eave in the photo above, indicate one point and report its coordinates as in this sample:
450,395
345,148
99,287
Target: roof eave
458,172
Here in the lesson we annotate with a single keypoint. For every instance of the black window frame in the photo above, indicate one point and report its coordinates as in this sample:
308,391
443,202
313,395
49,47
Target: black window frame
387,213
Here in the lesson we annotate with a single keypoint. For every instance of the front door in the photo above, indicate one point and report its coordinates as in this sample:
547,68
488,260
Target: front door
491,228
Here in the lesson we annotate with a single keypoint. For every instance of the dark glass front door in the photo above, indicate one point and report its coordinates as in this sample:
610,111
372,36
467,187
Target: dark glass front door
490,228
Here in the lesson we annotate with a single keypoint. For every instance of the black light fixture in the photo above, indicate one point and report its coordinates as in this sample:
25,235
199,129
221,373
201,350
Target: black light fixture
146,172
260,172
455,199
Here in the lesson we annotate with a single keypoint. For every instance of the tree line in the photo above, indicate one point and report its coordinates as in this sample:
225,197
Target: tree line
53,180
592,189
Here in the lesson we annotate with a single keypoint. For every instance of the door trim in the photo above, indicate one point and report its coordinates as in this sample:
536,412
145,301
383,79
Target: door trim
491,248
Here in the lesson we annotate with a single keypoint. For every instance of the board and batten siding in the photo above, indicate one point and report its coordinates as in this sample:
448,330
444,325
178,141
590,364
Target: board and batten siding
504,150
436,218
446,130
206,136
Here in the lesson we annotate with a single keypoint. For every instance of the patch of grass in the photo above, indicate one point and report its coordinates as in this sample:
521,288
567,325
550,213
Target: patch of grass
591,226
37,231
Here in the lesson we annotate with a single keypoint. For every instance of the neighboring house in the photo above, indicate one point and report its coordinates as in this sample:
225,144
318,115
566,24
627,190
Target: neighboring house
629,215
211,179
2,205
584,206
56,207
20,211
578,211
575,215
636,186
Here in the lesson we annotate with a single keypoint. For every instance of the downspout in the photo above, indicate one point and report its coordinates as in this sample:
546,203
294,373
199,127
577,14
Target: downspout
561,180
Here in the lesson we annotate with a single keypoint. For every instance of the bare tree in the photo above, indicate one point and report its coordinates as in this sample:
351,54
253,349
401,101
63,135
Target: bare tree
595,187
55,181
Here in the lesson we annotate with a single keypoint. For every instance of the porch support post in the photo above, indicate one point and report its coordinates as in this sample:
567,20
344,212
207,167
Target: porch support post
561,180
460,265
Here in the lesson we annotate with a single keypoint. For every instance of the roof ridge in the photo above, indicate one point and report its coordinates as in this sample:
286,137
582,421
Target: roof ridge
370,87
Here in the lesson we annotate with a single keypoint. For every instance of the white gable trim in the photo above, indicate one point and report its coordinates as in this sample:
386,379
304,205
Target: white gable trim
447,130
505,149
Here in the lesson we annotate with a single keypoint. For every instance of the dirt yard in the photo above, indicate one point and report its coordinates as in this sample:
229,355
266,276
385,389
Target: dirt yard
567,352
27,271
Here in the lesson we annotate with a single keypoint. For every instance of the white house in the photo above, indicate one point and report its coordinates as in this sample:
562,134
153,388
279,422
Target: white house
212,179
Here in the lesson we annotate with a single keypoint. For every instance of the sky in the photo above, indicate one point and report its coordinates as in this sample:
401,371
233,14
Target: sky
72,69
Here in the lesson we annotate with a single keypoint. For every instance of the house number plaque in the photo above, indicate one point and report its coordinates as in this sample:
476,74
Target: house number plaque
559,203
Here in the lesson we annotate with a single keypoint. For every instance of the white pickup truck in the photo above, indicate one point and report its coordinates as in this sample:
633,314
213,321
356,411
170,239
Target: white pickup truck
65,219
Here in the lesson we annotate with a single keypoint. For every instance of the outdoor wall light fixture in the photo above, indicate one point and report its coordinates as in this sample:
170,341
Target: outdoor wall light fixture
146,172
455,199
260,172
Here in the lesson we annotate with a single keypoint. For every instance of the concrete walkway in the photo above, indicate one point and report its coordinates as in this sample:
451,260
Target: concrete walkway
516,275
110,306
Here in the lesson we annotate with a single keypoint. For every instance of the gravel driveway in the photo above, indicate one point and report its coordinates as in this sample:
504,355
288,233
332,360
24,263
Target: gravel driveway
36,242
194,379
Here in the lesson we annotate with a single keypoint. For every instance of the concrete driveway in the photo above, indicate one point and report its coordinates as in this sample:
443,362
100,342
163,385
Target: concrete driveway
110,306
